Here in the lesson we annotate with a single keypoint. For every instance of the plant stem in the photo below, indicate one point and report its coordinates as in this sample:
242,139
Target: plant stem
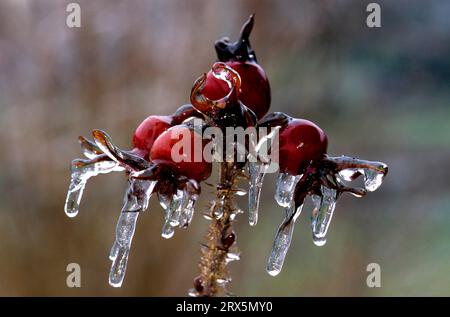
220,238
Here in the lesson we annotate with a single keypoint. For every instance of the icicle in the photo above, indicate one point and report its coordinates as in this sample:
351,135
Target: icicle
285,188
257,171
124,234
167,230
322,214
282,240
187,210
172,212
78,179
258,164
136,200
175,208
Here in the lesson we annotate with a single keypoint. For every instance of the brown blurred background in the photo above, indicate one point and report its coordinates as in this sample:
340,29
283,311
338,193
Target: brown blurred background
380,94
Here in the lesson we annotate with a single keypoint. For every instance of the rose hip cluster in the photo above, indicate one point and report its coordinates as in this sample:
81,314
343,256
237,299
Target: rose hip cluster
234,93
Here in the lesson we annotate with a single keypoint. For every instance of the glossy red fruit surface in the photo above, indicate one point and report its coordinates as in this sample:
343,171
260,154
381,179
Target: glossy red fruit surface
301,141
185,160
255,88
147,132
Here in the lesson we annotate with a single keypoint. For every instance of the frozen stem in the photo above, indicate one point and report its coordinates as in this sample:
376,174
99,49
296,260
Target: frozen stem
219,248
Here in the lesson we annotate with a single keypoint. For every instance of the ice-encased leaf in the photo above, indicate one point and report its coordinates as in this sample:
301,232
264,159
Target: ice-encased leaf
81,172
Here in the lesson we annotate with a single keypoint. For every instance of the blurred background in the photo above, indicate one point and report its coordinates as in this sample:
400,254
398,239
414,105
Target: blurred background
379,93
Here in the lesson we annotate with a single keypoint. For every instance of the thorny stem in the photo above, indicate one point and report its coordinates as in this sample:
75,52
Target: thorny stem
220,238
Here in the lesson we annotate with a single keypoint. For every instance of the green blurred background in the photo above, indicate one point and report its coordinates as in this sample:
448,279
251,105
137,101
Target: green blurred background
380,94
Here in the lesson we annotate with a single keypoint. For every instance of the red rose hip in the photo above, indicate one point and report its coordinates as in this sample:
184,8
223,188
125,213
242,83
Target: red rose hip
184,156
301,142
255,88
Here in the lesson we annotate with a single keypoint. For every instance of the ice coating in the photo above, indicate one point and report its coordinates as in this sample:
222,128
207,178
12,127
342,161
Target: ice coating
349,174
114,250
167,230
172,213
373,177
282,240
80,174
179,211
257,172
267,144
138,194
258,165
187,211
285,188
125,229
322,214
136,200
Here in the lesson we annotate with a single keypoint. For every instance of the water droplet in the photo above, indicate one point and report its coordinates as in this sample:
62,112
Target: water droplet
285,188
